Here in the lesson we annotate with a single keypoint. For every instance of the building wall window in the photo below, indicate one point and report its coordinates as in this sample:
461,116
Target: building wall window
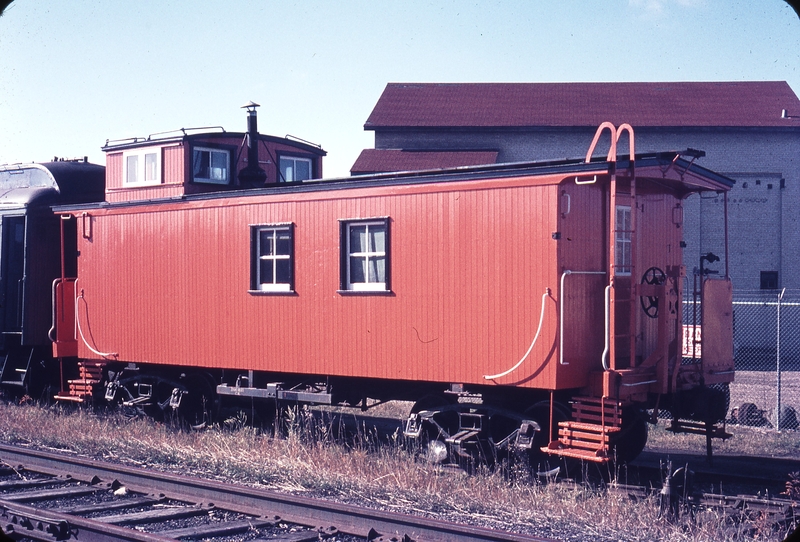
142,167
210,166
272,255
295,169
365,255
622,241
769,280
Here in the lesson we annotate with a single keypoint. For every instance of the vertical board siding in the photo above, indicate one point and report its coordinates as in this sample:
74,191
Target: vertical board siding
144,193
169,284
174,160
660,247
172,177
583,247
113,171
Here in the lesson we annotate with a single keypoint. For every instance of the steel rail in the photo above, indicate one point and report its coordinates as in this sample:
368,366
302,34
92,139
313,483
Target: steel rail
19,520
348,519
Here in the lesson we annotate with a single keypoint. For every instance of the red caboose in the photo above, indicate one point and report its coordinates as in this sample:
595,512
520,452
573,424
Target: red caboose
492,296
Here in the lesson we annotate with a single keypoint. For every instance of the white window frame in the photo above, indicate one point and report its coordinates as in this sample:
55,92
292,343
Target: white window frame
260,254
348,254
294,159
139,170
623,241
209,180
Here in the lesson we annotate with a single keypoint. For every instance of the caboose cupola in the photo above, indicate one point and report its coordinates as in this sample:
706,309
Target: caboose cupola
252,175
206,160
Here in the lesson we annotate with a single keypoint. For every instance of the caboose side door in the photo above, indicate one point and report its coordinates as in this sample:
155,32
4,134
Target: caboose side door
583,277
12,273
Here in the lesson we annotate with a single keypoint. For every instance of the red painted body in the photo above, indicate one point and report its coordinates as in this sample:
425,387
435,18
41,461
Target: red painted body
168,282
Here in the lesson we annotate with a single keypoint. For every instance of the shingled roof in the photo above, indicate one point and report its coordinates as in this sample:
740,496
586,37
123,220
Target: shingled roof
380,160
487,105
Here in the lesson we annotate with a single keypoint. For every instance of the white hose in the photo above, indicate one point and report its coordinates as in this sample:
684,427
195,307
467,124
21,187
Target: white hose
80,330
538,331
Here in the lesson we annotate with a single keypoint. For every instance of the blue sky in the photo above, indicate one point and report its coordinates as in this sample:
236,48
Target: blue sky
73,74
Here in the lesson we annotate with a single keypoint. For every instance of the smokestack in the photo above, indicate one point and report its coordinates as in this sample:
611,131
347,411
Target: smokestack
252,175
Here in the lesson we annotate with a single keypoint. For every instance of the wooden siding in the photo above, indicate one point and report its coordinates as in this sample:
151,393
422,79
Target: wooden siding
113,171
583,249
174,164
169,284
144,193
172,177
660,247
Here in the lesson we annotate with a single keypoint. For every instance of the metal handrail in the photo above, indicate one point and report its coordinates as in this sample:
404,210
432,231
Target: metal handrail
561,310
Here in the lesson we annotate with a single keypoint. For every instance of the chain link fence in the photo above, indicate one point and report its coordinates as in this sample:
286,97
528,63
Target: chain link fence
766,341
766,346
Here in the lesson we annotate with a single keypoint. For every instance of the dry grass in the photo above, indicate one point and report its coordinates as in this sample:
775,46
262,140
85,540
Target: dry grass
383,476
755,441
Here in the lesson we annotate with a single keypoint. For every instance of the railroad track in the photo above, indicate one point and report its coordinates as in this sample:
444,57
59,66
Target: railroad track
680,502
53,497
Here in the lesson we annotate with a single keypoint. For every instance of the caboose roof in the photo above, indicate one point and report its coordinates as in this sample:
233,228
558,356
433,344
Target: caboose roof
562,105
669,169
200,134
377,160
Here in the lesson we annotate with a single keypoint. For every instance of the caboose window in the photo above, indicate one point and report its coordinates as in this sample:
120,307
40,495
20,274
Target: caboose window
210,166
365,257
132,173
273,258
295,169
151,167
142,168
622,241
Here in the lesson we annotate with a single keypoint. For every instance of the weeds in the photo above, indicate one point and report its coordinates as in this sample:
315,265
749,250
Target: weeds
365,470
746,441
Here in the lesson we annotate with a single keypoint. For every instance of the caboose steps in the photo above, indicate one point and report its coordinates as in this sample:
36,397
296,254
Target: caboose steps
588,435
15,366
83,388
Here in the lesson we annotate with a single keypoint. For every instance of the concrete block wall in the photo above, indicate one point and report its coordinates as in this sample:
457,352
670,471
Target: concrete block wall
763,206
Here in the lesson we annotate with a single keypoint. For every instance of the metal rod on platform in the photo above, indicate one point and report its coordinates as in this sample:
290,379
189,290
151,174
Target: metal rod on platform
778,362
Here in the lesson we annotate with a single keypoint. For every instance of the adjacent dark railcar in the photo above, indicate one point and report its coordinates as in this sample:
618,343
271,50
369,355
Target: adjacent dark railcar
494,297
30,262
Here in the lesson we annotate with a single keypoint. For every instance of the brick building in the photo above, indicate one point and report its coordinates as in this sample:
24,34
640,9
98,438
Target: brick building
750,132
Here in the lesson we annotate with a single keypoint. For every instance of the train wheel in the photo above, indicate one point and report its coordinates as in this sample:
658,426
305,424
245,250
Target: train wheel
632,438
198,402
503,446
145,395
432,402
437,428
471,435
540,413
